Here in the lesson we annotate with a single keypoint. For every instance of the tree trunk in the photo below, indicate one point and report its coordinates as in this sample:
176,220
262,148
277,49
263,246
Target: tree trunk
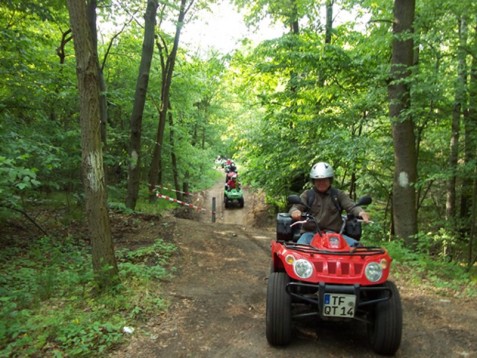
329,21
459,105
175,170
294,17
470,143
185,184
87,70
91,11
134,170
405,172
155,170
469,196
472,257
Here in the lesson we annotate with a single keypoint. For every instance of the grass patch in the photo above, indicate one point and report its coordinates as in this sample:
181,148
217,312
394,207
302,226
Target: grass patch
48,304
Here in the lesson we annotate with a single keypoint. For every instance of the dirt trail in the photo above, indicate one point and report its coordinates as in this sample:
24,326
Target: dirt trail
218,301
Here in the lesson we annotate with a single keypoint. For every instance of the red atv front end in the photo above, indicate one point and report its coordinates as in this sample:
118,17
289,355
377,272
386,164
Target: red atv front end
332,281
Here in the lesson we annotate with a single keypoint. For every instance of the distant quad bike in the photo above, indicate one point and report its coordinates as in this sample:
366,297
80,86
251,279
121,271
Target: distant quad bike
233,197
333,282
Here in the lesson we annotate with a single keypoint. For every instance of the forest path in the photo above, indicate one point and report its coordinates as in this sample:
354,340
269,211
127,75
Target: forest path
218,300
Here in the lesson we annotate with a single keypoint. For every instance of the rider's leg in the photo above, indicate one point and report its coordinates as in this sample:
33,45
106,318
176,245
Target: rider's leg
305,238
351,242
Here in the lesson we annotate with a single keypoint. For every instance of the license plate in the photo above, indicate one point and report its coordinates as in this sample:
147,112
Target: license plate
338,305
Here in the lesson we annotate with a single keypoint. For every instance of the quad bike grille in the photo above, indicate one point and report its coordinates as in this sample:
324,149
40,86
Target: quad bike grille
339,268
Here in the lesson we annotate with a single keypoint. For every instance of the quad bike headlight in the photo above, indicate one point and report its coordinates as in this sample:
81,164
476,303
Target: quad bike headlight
290,259
303,268
373,271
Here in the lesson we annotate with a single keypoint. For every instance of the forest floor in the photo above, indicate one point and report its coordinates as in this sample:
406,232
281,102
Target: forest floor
217,296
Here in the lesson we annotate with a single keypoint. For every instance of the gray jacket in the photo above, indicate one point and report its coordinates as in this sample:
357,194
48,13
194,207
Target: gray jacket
325,211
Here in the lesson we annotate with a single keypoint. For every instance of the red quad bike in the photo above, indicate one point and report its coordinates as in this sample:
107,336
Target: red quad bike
332,281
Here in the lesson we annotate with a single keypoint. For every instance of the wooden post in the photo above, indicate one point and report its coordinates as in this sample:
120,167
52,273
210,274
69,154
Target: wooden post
213,209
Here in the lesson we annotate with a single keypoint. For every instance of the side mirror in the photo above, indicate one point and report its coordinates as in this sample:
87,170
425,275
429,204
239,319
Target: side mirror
365,200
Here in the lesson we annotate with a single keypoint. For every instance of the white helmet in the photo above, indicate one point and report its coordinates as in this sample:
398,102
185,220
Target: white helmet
321,170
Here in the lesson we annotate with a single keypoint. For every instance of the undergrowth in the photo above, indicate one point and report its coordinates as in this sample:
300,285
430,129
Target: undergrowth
434,272
49,304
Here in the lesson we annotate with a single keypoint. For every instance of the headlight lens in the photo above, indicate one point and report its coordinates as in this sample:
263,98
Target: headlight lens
303,268
373,271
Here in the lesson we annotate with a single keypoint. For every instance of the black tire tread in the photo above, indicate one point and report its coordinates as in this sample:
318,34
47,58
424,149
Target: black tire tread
278,313
385,331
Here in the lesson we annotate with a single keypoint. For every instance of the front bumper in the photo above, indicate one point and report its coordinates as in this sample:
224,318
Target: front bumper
313,295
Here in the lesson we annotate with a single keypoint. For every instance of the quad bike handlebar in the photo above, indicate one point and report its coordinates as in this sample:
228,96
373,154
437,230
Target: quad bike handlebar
308,218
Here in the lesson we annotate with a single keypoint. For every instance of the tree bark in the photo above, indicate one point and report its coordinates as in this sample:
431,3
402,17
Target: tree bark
87,70
405,172
91,13
134,170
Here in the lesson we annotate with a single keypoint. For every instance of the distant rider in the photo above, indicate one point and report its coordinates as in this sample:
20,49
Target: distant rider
232,183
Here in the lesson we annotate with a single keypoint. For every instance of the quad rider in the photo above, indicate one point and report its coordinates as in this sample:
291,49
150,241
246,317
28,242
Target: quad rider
326,204
230,167
232,183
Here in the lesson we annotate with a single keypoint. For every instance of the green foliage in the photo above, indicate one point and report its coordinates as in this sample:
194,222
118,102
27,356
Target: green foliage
277,108
119,207
318,104
39,145
435,272
32,163
48,304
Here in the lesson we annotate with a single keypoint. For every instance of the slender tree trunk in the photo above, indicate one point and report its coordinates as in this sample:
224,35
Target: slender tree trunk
328,32
470,142
203,107
472,257
134,171
459,105
469,190
329,21
155,170
175,170
405,172
87,70
185,184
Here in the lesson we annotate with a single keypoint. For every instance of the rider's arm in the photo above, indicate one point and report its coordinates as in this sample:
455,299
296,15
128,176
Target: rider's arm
365,216
297,209
295,214
349,205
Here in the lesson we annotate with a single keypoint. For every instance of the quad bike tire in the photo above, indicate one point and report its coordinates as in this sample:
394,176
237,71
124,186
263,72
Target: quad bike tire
241,202
278,312
385,326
